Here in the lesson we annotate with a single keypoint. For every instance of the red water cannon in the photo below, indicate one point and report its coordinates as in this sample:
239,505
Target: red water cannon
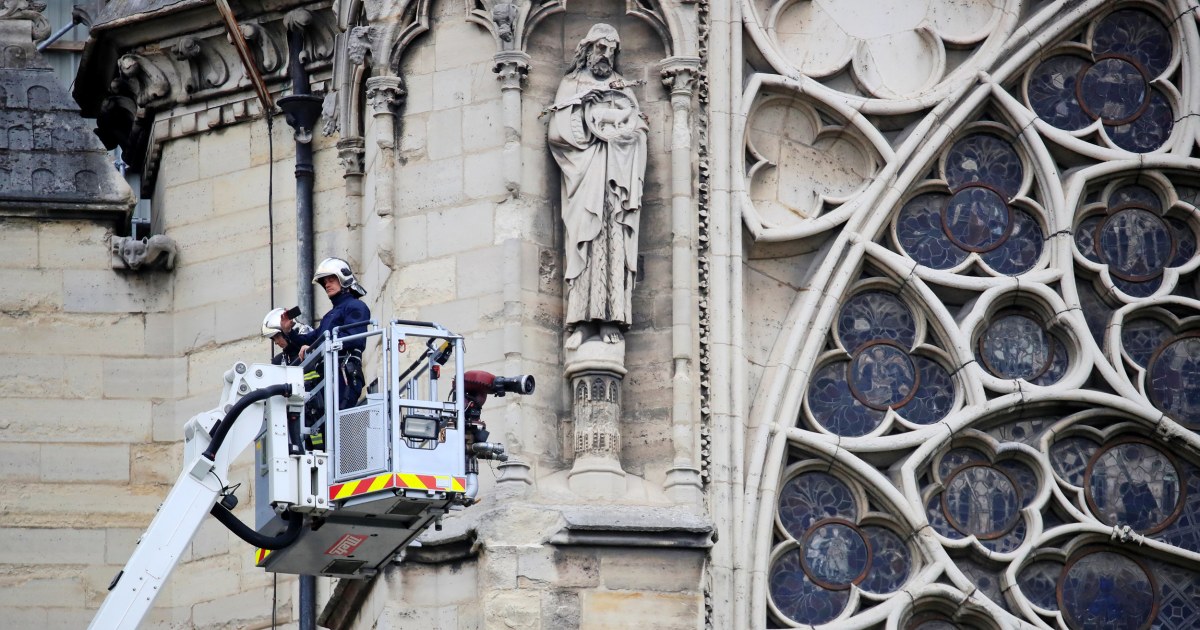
477,385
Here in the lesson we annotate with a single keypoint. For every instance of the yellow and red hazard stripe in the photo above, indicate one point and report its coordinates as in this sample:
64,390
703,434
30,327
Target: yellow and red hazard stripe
260,555
367,485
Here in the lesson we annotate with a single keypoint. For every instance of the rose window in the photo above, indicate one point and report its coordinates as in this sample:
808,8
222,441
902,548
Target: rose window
972,496
878,365
974,213
1016,345
825,548
1119,82
1170,362
1132,241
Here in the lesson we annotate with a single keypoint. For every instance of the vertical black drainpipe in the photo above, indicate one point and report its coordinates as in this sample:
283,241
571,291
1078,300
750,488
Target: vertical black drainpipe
301,110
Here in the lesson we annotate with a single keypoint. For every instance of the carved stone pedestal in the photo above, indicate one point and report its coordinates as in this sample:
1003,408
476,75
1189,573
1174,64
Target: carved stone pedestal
596,370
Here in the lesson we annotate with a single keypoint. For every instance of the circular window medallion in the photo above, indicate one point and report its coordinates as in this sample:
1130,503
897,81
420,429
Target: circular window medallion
977,219
1173,379
981,501
882,375
1114,90
1106,589
836,555
1133,483
1016,346
1135,243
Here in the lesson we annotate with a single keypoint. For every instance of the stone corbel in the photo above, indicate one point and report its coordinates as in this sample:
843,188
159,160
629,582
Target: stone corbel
511,68
266,52
318,36
206,68
139,77
683,483
504,16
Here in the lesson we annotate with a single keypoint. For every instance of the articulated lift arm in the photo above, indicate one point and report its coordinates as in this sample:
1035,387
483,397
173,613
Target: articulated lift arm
251,394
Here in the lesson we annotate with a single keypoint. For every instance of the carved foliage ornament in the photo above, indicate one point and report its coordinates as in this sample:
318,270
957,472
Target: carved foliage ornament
27,10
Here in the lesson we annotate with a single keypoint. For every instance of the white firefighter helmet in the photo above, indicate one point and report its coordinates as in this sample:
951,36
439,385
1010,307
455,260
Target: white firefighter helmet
273,323
341,270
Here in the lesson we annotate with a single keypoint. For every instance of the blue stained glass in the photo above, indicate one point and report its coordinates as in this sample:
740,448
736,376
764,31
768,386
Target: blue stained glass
1136,34
1085,237
811,497
1148,131
873,315
935,393
957,457
1173,379
1184,532
982,501
1185,241
919,231
1028,431
1179,592
983,158
1059,362
1095,311
1052,93
1103,589
1141,289
1009,541
1023,476
834,407
882,375
984,578
1070,456
1021,250
1141,337
977,219
1038,580
1016,347
1135,195
937,518
1136,244
1113,90
836,555
890,561
797,597
1134,484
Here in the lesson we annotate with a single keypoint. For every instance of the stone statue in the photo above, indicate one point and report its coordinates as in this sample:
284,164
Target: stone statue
597,135
156,251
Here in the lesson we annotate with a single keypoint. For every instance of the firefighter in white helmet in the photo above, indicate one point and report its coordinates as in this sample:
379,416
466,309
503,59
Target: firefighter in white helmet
281,326
344,292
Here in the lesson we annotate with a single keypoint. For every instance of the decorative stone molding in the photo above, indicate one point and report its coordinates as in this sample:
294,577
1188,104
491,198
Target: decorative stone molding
265,50
511,68
207,68
318,34
28,10
141,79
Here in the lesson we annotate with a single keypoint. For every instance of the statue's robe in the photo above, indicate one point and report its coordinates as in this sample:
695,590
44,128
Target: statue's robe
603,165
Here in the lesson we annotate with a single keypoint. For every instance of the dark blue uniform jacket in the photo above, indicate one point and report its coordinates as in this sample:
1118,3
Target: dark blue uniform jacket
347,309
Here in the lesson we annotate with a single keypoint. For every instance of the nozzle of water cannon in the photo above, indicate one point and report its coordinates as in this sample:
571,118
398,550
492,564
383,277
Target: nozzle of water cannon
522,384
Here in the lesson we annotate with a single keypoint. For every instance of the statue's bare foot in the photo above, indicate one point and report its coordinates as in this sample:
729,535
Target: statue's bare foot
611,333
574,340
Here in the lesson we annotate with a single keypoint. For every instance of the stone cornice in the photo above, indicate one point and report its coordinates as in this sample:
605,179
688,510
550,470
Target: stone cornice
172,71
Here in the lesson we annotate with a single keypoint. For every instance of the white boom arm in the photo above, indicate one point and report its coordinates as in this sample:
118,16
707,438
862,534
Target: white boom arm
198,488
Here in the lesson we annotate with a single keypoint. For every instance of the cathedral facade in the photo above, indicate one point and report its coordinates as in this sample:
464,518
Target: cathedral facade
843,314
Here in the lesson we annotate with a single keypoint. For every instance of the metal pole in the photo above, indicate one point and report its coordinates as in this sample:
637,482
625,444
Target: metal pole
301,110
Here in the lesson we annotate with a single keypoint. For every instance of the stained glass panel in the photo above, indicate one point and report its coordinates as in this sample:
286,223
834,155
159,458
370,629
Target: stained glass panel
1173,379
1134,484
1103,589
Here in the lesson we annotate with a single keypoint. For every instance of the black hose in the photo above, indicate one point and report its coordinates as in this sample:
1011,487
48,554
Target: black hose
222,429
243,531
